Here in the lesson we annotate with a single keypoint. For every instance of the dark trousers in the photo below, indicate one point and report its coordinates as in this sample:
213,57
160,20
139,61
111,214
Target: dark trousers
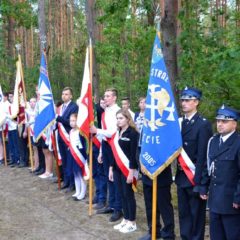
99,178
114,196
41,158
67,163
224,226
13,145
24,153
192,214
164,209
127,196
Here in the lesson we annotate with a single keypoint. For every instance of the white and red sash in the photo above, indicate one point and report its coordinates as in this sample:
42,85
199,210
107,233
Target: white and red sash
77,155
62,131
55,146
120,157
186,163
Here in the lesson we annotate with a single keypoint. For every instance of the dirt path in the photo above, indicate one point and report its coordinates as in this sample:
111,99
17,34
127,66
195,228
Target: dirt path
33,209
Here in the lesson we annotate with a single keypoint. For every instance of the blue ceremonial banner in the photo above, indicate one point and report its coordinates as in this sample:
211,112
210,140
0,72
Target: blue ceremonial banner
45,105
161,136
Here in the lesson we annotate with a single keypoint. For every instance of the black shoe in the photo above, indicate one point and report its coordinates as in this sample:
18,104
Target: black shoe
22,165
11,163
148,237
36,170
64,186
105,210
70,189
99,206
41,171
117,215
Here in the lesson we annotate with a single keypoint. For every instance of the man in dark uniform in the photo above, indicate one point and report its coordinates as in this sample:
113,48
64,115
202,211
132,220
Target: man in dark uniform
196,132
68,107
222,177
164,205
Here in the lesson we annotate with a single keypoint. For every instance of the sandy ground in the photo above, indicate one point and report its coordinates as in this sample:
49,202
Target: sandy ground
33,209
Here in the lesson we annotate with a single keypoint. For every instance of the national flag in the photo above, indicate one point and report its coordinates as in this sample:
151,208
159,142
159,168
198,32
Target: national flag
85,113
161,136
45,106
18,105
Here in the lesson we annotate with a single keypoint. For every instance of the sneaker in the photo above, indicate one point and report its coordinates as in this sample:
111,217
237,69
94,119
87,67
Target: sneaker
129,227
120,225
46,175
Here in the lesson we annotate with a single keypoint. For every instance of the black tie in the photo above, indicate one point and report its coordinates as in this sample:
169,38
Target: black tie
220,142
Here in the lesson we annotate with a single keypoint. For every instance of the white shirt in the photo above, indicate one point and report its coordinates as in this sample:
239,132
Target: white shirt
31,115
111,122
65,105
224,138
132,114
12,124
190,117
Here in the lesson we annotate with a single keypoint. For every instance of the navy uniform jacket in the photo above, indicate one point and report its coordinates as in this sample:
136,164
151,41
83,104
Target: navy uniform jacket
224,188
195,138
64,119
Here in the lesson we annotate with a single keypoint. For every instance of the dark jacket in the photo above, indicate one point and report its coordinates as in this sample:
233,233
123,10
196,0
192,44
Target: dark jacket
64,119
224,181
195,136
129,143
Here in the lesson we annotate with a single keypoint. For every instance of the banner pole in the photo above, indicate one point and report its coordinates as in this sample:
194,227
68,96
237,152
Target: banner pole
154,208
4,148
90,138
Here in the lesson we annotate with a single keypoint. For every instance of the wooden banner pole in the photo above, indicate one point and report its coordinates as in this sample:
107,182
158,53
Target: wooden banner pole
154,208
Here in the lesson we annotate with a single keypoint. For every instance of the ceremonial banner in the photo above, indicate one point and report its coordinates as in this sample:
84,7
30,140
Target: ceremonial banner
18,105
161,136
85,113
46,110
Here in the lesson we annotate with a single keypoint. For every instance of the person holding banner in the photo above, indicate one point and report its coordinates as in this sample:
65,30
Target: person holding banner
196,132
109,127
78,153
221,178
123,170
68,107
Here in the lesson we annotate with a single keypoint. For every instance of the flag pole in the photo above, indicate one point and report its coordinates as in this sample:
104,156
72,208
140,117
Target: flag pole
90,139
154,208
18,47
4,148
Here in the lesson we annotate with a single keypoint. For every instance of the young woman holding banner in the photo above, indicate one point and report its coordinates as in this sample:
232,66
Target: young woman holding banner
124,168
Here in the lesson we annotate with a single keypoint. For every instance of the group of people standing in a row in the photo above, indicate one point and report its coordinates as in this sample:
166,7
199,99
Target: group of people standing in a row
216,160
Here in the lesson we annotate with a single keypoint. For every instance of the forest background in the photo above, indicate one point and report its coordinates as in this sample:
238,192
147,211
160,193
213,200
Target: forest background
200,39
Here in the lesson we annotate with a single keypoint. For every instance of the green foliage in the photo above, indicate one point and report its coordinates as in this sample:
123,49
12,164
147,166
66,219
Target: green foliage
210,55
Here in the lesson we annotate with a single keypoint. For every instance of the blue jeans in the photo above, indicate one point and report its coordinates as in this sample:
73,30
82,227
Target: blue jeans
13,146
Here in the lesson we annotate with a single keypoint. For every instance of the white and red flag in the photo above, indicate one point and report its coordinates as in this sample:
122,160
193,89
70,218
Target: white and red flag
85,112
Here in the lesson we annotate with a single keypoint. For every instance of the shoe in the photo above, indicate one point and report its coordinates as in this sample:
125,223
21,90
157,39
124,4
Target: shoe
105,210
115,216
64,186
70,189
11,163
22,165
41,171
79,198
120,225
99,206
35,170
129,227
148,237
46,175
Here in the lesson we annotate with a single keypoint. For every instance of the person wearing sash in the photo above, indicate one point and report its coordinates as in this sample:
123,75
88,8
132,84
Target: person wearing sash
66,109
78,153
126,105
109,127
196,132
221,179
13,137
123,170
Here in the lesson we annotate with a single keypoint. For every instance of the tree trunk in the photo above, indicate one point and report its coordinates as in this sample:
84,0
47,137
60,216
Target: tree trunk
169,30
92,31
41,24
